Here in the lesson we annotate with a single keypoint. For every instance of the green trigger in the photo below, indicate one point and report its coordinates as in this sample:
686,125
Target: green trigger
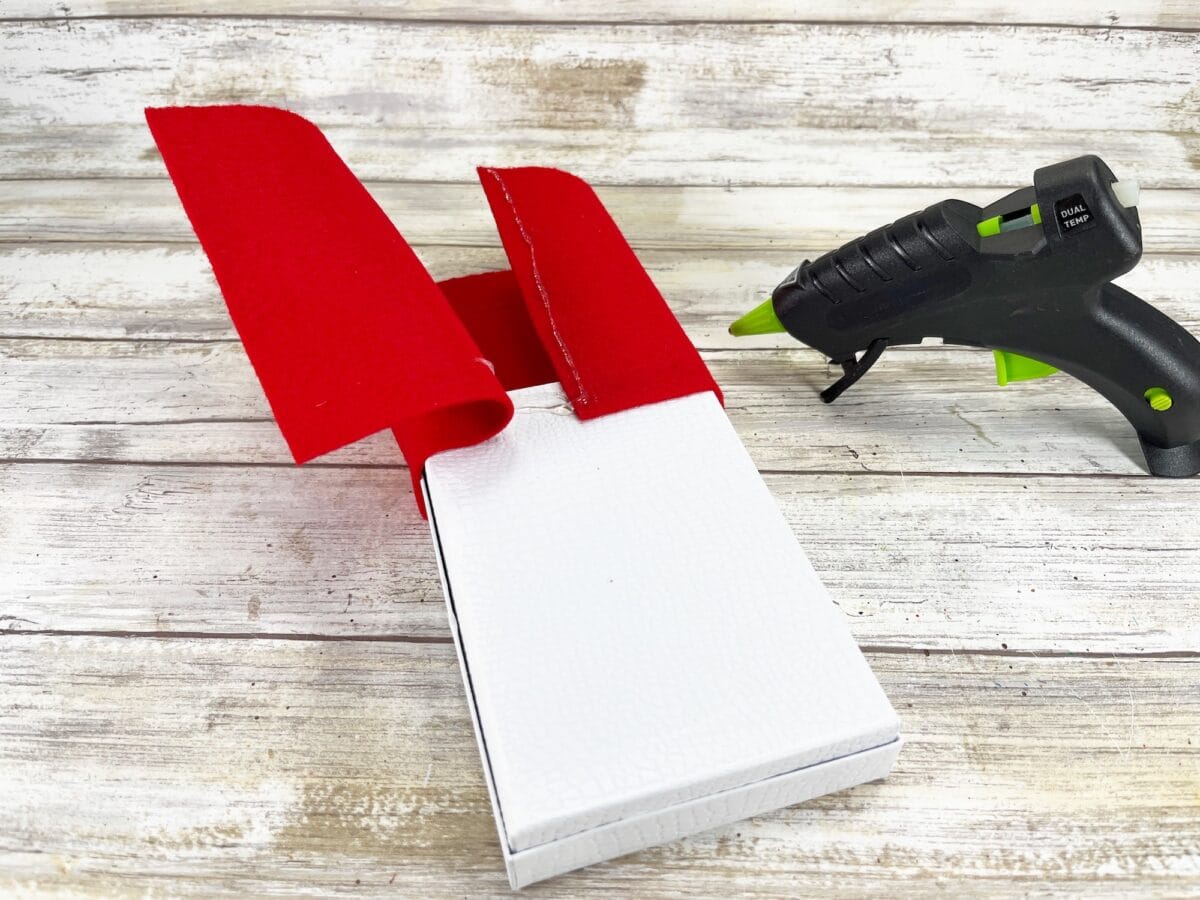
1014,367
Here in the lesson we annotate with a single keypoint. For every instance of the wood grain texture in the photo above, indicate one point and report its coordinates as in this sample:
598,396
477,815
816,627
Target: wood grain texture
166,292
686,104
281,767
976,563
925,410
1125,14
145,367
666,217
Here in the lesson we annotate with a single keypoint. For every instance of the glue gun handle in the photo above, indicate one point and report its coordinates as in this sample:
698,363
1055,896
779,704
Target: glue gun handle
1132,353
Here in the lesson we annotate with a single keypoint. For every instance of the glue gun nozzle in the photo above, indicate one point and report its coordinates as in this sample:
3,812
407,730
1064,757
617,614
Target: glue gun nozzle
760,320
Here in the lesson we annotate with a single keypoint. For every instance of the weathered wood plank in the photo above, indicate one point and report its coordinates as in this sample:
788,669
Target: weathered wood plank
200,403
927,410
1125,14
652,217
269,767
167,292
970,562
692,104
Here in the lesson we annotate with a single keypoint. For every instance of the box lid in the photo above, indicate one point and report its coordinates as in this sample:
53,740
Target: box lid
639,626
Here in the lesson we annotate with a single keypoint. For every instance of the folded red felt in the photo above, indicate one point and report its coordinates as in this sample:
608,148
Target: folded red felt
346,329
349,334
492,307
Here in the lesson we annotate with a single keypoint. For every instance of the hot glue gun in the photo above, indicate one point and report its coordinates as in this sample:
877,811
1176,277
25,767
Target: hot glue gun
1030,278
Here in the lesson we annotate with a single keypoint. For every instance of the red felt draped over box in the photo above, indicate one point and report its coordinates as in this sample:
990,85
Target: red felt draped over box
613,340
349,334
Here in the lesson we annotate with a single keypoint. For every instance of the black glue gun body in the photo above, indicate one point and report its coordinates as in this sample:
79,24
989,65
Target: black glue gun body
1029,277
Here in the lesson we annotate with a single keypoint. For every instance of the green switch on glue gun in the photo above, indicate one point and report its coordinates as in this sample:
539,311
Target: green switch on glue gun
1029,277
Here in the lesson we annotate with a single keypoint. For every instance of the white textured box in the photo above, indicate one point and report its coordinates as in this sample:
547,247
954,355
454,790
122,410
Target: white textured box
646,650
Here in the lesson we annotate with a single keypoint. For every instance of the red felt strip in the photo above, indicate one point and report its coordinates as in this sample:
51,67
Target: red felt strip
612,338
345,328
493,309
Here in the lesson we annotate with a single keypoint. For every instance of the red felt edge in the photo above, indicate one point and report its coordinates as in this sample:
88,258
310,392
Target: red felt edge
612,338
344,326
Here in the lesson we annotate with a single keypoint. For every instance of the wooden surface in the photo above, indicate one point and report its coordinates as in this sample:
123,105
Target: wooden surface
224,674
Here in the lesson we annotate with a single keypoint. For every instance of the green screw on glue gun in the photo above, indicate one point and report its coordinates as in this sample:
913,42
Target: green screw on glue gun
1029,277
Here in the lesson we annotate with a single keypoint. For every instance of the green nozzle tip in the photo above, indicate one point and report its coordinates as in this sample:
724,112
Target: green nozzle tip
760,320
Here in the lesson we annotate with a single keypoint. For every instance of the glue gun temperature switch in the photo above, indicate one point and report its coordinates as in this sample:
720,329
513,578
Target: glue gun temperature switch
1029,277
